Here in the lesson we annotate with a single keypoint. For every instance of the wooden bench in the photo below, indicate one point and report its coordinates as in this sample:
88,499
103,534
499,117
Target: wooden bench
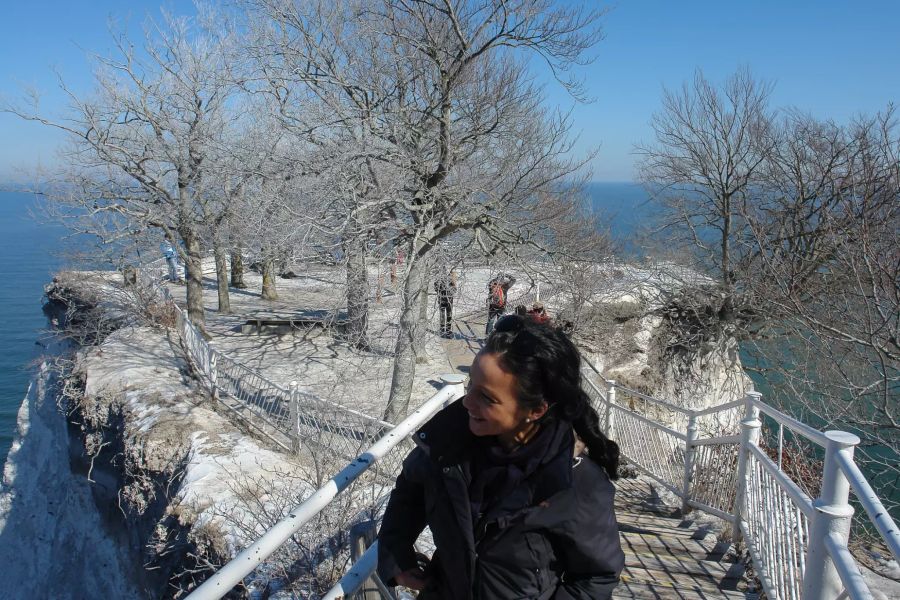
282,324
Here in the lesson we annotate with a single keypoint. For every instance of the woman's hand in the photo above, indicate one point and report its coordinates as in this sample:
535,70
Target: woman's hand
414,579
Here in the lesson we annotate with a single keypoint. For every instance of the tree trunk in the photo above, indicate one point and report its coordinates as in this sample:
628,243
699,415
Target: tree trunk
357,293
193,265
405,352
421,340
222,279
726,240
268,279
237,269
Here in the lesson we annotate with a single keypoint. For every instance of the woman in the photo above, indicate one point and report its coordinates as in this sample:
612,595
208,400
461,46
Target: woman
515,509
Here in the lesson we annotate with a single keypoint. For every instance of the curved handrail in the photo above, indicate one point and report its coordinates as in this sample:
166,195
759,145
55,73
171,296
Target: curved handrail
356,576
248,559
791,423
674,407
719,408
879,515
848,570
675,434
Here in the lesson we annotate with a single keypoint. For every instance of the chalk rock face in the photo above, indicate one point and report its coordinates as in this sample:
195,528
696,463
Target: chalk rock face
640,345
184,472
53,540
163,481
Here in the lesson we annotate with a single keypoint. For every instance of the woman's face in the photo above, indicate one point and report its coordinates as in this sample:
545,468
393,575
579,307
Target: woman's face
492,402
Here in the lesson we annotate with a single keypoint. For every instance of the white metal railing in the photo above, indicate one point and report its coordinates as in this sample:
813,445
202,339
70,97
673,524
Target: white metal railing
798,544
356,575
248,559
289,417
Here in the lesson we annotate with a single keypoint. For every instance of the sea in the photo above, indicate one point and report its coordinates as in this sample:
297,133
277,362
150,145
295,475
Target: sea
30,252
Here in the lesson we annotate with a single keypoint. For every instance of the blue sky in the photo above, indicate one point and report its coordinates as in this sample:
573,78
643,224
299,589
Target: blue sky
833,59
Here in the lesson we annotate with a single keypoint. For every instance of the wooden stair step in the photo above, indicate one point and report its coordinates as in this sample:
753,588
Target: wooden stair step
715,571
676,580
644,590
651,517
636,508
667,530
676,554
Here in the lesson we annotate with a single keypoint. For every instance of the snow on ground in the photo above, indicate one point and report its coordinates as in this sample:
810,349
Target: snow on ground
322,365
53,540
167,414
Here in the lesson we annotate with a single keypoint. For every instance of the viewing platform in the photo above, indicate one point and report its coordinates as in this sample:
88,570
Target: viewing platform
672,556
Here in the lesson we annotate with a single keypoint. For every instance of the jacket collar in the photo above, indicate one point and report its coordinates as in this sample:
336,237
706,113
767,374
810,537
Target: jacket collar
447,439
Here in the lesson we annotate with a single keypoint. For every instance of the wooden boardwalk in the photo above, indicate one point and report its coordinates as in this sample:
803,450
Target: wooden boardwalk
666,556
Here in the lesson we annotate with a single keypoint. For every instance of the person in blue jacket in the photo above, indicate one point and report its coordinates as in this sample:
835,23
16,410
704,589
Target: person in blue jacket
514,481
171,256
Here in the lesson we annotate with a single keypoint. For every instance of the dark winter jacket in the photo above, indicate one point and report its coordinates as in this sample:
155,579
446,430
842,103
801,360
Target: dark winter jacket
552,536
446,290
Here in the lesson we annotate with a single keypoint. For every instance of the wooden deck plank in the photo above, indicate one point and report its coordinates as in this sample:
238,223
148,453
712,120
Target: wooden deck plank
663,591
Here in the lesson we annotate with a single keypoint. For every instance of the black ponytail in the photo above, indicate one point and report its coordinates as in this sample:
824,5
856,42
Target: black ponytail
547,367
601,449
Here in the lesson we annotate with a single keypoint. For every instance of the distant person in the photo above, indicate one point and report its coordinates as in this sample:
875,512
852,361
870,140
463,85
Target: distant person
446,291
538,314
397,264
521,311
171,256
498,287
515,506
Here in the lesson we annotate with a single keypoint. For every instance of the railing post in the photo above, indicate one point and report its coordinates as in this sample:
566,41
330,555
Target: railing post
214,375
750,428
832,515
537,292
362,535
294,407
689,451
610,402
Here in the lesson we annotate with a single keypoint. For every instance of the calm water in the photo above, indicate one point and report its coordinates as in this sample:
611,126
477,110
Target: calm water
28,256
626,212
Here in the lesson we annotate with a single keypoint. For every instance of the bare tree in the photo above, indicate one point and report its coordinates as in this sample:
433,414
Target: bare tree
577,250
705,168
832,277
138,147
793,223
251,154
237,268
440,97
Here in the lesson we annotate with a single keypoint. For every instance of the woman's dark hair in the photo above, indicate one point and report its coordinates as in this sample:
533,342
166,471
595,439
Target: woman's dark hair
547,367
